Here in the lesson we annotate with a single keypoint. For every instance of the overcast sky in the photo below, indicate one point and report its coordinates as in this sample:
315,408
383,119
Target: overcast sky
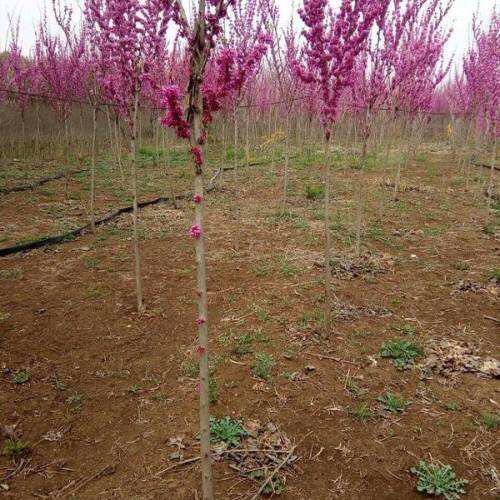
29,13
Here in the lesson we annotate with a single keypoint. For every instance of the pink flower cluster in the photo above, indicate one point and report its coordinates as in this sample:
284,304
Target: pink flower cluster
195,232
174,118
197,156
332,45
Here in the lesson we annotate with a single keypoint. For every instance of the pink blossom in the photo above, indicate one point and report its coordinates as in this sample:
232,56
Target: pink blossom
200,350
195,232
197,198
201,321
197,156
174,118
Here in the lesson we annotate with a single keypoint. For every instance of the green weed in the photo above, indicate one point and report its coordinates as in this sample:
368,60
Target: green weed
21,377
438,480
392,403
402,352
263,365
227,430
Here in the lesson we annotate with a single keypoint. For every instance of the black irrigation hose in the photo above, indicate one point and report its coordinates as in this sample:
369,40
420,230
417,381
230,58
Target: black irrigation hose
75,233
41,182
484,165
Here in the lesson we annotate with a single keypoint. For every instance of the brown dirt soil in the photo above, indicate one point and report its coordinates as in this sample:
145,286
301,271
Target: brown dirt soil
108,388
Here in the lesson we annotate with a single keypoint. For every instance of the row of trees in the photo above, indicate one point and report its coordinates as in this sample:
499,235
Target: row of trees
364,58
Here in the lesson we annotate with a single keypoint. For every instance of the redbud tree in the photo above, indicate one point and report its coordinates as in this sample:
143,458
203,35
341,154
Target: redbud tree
332,41
127,37
202,33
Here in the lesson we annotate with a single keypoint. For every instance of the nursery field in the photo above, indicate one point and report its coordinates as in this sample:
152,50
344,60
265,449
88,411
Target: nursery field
99,401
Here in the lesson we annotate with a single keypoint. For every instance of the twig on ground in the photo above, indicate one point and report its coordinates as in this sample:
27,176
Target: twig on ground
276,470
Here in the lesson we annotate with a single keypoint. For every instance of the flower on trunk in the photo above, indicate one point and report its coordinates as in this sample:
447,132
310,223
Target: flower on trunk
200,322
195,232
197,198
197,156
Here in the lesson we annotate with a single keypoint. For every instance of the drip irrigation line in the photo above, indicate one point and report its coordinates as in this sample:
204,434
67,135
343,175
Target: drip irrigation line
80,231
41,182
485,165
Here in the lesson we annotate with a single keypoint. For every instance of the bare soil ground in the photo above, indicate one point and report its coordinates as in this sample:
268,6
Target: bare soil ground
109,393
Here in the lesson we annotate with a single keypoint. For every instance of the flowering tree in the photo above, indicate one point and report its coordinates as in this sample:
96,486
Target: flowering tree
332,42
23,74
203,100
127,36
481,67
417,68
61,69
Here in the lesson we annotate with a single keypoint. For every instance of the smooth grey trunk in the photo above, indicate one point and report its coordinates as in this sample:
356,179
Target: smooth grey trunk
490,190
247,136
235,145
168,174
38,135
328,238
403,161
135,235
92,170
199,55
118,151
287,161
360,184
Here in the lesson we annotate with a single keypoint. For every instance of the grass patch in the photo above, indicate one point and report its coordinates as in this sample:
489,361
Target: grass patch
393,403
263,365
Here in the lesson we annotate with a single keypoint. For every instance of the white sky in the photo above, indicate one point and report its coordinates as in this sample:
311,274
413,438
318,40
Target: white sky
30,11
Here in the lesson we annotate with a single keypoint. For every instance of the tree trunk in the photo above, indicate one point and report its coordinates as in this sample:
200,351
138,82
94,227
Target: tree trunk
235,145
287,161
66,176
490,191
247,136
118,151
92,170
360,182
328,237
195,112
137,256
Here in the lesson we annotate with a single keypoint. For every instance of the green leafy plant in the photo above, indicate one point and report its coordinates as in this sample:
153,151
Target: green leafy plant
263,365
402,352
451,406
91,262
16,448
191,368
461,265
20,377
490,421
243,344
314,191
489,229
408,329
134,389
392,403
75,402
213,391
495,276
438,480
227,430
